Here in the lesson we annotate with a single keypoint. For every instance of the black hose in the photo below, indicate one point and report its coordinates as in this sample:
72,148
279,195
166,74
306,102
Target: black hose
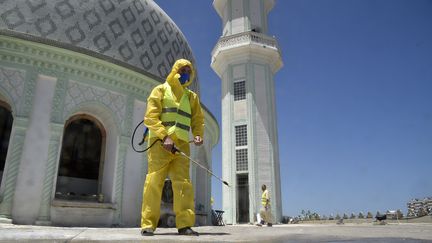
143,139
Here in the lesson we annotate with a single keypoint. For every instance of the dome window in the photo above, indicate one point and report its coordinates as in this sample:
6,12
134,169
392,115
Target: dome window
81,160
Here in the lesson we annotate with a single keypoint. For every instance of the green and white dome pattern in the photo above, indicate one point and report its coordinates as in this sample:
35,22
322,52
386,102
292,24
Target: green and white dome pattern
136,34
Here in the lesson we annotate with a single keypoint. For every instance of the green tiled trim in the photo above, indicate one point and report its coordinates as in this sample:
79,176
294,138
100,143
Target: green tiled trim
56,62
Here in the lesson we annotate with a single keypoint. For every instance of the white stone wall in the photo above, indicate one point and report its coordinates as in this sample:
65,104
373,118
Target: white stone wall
239,16
256,16
228,173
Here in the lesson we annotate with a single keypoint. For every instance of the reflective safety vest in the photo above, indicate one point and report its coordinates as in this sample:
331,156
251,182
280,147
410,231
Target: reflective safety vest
176,117
264,198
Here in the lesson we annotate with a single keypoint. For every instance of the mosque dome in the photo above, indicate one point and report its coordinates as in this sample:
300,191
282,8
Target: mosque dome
136,34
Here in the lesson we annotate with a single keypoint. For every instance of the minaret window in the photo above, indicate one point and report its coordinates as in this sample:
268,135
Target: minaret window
242,159
241,148
6,120
241,135
81,159
239,90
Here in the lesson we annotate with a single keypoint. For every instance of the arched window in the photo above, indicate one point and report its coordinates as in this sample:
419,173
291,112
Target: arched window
6,121
81,159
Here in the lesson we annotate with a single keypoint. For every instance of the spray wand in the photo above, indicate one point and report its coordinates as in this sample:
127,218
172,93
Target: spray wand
176,150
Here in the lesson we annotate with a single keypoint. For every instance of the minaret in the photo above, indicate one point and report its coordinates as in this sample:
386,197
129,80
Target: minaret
246,59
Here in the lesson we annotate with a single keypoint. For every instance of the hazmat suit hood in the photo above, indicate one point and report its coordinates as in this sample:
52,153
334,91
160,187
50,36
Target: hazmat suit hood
173,76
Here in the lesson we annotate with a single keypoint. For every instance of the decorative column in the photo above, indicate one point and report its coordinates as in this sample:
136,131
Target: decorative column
50,174
57,127
124,144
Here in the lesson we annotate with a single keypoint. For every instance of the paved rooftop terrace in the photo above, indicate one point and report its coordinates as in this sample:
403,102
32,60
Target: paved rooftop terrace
411,232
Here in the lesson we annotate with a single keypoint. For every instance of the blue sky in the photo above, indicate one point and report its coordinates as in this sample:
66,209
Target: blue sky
354,99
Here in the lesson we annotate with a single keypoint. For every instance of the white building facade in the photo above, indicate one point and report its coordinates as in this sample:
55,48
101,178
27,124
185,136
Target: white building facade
246,59
74,80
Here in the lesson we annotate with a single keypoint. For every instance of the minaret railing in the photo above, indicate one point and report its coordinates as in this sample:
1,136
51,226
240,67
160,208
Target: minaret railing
246,38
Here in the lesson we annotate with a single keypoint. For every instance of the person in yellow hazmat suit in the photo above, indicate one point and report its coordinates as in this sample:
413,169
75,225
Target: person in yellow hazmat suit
172,111
265,215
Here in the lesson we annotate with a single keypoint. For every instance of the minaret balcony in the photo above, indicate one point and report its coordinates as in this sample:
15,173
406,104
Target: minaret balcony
246,44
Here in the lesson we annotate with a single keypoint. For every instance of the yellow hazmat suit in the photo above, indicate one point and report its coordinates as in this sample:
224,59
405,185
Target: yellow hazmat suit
162,162
265,211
